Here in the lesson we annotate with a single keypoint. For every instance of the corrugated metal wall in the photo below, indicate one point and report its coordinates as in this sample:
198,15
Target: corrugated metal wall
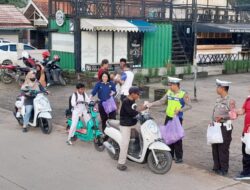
62,29
157,47
67,59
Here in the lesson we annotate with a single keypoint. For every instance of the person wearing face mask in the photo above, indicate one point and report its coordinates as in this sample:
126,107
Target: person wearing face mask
104,89
30,88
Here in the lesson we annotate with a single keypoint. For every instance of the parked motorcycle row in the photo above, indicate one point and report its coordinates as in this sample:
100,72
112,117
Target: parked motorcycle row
10,73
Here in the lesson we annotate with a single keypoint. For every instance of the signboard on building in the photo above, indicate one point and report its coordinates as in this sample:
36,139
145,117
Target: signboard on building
60,18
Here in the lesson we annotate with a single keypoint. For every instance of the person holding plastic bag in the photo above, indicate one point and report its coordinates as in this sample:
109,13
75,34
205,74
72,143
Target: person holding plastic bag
221,116
245,110
105,89
177,103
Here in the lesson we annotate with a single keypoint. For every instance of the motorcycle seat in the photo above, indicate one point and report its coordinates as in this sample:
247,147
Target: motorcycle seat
114,123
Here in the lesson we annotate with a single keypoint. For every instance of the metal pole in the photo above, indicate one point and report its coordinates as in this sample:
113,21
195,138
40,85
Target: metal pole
195,47
77,39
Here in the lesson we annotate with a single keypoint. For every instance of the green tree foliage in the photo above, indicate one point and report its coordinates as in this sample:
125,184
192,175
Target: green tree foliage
17,3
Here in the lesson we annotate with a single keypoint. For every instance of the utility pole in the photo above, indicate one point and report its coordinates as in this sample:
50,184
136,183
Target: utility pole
194,26
77,38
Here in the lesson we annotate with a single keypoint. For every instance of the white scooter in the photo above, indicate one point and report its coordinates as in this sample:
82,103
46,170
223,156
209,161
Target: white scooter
149,147
41,117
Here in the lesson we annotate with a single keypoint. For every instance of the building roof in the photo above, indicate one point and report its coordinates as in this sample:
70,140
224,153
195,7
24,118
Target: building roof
37,12
43,6
12,18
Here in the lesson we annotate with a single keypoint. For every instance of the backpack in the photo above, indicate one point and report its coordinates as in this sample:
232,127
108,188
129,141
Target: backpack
68,111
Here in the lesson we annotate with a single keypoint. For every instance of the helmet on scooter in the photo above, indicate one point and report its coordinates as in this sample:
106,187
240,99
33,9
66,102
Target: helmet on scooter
25,55
46,54
56,58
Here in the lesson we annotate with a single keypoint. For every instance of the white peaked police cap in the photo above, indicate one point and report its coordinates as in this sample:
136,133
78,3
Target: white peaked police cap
174,80
222,83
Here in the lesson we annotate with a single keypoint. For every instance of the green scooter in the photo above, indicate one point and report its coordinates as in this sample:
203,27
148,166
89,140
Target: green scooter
91,132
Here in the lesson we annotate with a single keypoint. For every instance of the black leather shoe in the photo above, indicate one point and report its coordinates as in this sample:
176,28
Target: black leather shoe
217,171
25,130
223,173
121,167
178,161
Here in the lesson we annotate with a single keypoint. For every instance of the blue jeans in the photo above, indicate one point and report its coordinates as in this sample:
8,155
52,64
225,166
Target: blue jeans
26,118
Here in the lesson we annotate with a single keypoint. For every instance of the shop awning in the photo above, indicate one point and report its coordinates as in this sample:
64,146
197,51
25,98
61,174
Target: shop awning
107,25
116,25
143,26
223,28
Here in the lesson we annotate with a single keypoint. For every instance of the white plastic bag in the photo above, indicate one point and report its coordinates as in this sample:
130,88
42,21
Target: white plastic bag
214,135
246,140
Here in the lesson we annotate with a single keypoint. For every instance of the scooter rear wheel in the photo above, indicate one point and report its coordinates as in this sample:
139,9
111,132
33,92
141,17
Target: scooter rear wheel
165,162
6,78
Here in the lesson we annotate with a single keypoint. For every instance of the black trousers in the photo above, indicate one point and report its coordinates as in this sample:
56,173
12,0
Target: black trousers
176,148
245,161
221,151
105,116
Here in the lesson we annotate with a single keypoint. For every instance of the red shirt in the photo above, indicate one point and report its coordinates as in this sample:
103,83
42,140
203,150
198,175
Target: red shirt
99,74
246,107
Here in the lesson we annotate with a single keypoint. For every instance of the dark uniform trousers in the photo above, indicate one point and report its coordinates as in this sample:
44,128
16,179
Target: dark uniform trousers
176,148
245,160
105,116
221,151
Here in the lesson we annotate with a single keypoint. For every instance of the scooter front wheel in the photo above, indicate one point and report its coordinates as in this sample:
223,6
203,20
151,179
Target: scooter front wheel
45,125
98,143
164,164
62,80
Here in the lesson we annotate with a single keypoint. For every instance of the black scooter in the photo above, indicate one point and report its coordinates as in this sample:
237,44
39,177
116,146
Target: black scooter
53,72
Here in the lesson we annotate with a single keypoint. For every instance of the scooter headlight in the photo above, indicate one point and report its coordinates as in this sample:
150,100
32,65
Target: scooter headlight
153,127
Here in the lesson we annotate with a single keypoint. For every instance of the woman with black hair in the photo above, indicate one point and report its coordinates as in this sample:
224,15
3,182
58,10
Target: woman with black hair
104,89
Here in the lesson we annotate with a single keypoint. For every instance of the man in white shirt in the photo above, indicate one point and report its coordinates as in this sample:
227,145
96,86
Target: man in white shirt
126,81
78,100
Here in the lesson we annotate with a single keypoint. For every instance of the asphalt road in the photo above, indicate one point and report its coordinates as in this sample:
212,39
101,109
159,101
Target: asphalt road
34,161
196,152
